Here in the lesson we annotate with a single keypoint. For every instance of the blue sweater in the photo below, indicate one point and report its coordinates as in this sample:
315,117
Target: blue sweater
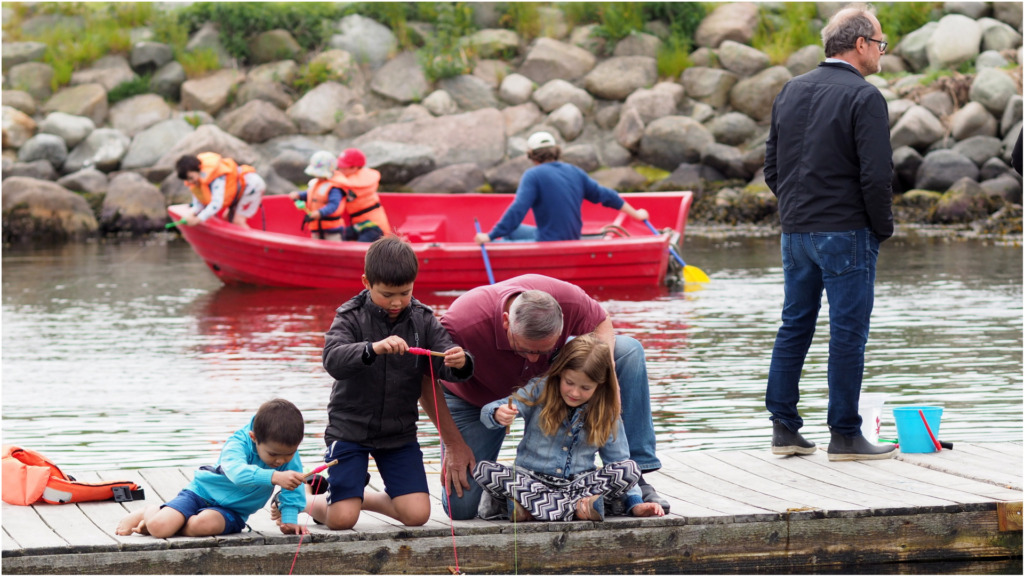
241,480
555,191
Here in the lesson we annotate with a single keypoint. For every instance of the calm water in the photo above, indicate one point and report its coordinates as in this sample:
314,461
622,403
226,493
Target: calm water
134,355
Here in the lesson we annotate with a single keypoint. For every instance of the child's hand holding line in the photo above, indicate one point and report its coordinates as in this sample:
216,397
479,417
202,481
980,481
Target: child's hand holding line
454,358
505,414
293,529
391,345
287,479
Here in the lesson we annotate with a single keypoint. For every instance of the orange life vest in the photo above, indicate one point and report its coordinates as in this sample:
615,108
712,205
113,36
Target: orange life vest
361,200
213,166
28,477
317,196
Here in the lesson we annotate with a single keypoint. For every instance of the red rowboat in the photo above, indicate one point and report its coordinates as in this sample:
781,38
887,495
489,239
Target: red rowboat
276,251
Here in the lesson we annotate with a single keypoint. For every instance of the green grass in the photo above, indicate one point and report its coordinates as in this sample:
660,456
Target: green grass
781,34
134,87
198,62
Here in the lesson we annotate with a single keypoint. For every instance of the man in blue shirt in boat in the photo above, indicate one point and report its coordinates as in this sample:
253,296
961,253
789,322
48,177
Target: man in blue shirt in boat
555,191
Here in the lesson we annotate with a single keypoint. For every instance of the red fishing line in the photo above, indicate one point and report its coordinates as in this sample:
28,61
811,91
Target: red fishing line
444,470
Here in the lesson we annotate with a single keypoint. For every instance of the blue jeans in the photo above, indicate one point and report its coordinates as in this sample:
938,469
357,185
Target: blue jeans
631,371
523,233
843,265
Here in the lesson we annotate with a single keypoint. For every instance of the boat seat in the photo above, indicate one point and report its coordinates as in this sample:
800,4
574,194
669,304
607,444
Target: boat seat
424,228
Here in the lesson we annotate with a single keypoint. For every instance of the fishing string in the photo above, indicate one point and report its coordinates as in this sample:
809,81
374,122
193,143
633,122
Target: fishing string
515,516
433,389
305,527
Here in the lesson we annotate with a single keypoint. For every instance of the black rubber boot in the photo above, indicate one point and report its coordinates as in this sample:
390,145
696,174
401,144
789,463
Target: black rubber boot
849,448
785,442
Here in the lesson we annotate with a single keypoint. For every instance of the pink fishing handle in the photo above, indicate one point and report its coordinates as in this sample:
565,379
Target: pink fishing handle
424,352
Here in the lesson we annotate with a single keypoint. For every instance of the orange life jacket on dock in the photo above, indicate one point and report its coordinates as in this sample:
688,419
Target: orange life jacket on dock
29,477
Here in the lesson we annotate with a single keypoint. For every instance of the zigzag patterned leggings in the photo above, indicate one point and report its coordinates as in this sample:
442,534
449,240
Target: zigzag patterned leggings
554,499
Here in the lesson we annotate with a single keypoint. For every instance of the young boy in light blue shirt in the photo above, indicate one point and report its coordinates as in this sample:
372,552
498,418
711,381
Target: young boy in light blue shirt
220,499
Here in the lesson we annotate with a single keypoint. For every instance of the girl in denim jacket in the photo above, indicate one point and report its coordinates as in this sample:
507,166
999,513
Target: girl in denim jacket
571,414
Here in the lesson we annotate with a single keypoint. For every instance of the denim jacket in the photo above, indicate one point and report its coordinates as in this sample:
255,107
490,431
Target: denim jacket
566,454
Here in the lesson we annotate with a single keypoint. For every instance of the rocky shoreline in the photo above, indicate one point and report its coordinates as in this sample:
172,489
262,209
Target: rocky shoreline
76,166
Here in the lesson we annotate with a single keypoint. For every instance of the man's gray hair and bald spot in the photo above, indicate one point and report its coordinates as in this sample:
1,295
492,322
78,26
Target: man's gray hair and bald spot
842,31
535,315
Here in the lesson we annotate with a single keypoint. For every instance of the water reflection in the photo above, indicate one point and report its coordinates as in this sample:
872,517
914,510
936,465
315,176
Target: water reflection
134,355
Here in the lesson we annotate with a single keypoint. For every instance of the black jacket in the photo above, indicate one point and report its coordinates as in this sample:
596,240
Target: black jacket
828,157
374,398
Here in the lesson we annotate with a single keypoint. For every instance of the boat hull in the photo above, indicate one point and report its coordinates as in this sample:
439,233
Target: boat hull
276,251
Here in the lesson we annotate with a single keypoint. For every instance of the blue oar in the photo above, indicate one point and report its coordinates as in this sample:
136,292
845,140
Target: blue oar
483,249
690,273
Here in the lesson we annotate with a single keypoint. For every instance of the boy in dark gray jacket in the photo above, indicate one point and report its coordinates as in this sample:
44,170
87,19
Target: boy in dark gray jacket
377,384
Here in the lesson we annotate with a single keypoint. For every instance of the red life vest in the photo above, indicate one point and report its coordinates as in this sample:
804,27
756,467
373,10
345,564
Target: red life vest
213,166
361,200
317,196
29,477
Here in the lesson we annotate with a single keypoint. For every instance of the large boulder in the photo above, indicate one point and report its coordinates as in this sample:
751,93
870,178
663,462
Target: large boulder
368,41
89,180
149,145
754,96
398,162
728,21
504,178
20,100
137,113
964,201
103,148
469,92
913,47
401,79
742,59
477,136
132,205
273,45
941,168
47,147
257,121
211,92
549,59
708,85
18,127
673,140
15,53
993,88
89,100
453,179
37,210
956,40
918,127
515,89
72,129
108,71
148,57
651,104
973,120
319,110
618,77
557,93
35,78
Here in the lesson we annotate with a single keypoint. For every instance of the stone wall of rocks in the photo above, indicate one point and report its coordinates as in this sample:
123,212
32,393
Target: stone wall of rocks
952,139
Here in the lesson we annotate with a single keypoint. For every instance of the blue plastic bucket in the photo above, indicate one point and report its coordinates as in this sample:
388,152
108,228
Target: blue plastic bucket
910,429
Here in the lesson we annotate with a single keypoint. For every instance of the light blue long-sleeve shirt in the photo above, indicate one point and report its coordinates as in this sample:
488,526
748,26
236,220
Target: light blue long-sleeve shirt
241,480
566,453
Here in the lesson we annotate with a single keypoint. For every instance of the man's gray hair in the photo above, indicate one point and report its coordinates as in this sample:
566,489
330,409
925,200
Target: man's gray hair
535,315
842,31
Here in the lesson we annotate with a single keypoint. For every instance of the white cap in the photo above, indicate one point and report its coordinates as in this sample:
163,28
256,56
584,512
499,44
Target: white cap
539,140
321,165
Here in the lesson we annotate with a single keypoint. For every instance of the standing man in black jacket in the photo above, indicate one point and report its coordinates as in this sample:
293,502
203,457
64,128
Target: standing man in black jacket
829,162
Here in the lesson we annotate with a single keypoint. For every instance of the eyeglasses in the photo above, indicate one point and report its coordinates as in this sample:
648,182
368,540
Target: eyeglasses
882,44
522,352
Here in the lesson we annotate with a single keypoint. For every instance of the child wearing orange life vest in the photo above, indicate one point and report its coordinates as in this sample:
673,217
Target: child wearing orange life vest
220,186
324,198
367,220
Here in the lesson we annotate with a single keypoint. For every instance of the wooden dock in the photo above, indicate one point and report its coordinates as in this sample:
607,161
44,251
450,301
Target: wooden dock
737,511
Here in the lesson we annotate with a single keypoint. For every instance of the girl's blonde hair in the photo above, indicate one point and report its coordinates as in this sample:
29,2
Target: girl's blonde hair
589,355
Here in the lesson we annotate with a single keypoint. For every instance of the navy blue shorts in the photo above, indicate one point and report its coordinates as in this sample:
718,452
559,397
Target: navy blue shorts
401,468
189,503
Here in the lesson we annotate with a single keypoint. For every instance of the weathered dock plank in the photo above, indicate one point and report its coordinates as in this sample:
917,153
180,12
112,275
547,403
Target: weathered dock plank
744,511
958,461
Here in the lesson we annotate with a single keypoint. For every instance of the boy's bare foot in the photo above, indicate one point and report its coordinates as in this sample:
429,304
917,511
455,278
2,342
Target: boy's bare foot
133,523
647,509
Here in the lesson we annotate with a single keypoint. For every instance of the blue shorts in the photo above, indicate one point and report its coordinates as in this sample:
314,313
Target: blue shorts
189,504
401,468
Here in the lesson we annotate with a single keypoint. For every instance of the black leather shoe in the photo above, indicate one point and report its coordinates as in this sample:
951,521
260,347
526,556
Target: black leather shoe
849,448
785,442
651,495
